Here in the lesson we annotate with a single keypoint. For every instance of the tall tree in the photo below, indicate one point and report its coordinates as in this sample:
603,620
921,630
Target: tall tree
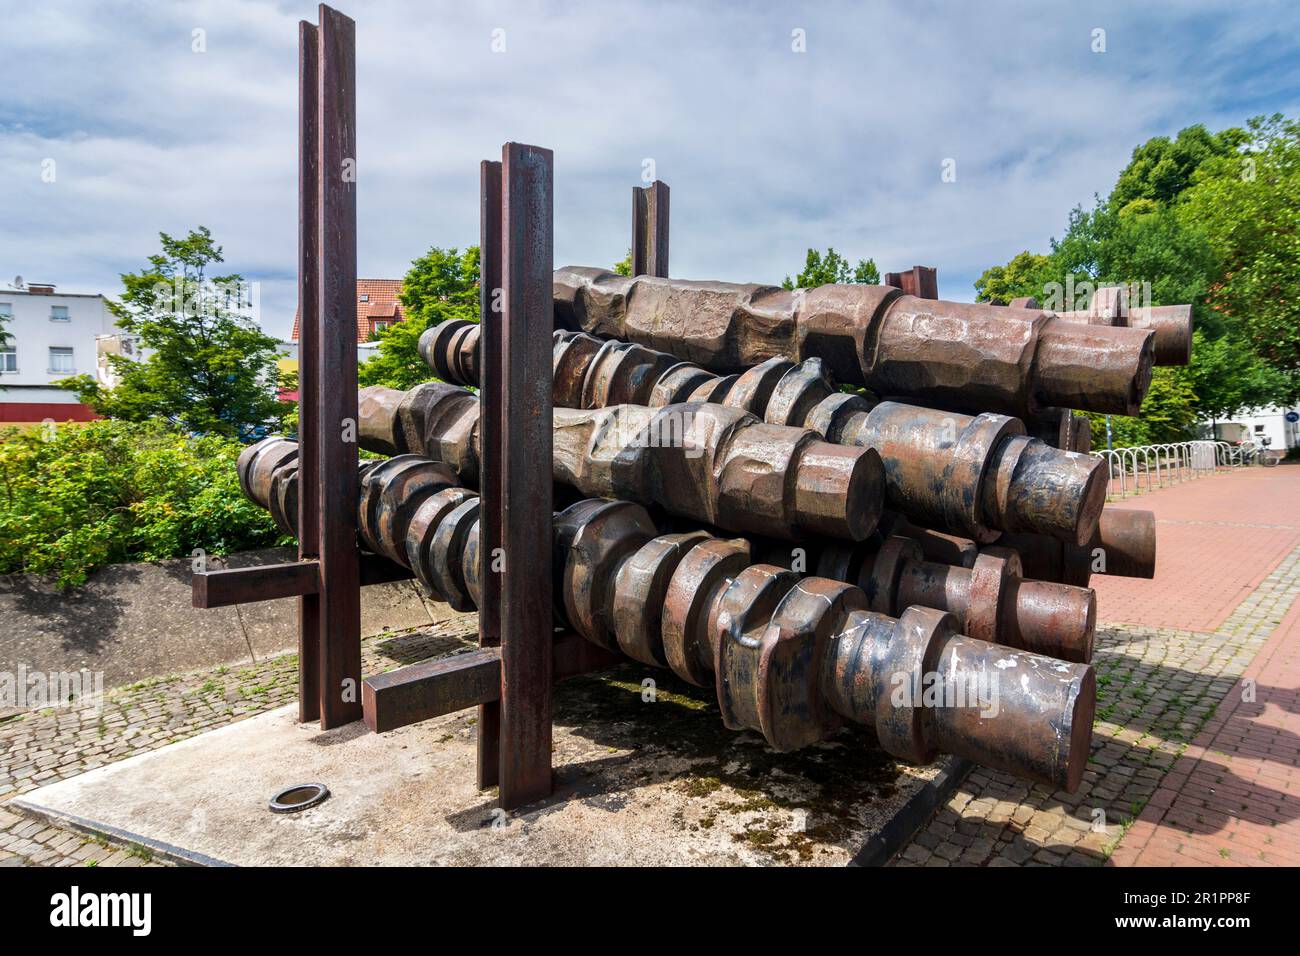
442,284
832,269
1204,218
209,368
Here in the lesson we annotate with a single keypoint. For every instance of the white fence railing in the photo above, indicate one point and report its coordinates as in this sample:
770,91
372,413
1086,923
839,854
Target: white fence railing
1146,467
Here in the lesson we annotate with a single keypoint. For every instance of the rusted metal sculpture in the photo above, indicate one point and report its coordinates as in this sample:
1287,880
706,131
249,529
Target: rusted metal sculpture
1124,546
991,599
714,464
977,476
1170,325
789,657
947,354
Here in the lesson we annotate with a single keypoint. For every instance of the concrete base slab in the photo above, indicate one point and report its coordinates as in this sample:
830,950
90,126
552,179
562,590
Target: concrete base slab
645,775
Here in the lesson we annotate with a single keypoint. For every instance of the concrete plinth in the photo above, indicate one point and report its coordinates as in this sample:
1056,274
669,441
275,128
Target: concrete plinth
638,782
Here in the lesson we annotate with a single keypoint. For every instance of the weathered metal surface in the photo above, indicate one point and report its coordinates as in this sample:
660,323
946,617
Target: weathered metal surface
978,476
487,372
650,229
340,604
920,281
1030,715
970,475
708,462
949,354
990,598
525,488
1124,546
430,689
1170,325
309,507
263,583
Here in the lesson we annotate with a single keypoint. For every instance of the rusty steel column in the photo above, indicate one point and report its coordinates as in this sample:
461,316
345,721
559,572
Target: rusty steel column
309,502
492,428
526,623
650,230
340,604
920,281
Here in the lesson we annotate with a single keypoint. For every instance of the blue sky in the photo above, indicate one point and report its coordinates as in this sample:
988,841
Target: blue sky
767,150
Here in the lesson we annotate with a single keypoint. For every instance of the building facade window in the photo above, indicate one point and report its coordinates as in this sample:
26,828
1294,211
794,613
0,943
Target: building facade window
8,359
58,313
61,361
6,311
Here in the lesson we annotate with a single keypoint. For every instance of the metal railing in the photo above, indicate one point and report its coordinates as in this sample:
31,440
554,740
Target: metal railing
1142,468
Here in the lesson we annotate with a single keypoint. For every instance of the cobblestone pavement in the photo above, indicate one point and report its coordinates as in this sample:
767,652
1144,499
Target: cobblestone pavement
39,748
1159,690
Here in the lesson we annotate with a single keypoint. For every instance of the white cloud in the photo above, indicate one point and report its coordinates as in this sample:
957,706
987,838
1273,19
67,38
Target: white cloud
767,151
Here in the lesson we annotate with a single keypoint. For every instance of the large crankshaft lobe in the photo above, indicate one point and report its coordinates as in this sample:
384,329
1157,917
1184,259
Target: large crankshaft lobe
951,354
974,475
713,464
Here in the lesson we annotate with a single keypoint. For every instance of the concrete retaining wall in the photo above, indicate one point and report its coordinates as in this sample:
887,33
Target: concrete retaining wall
133,621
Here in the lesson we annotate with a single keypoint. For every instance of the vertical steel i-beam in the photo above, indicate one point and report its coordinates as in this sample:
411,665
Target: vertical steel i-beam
491,428
336,373
650,230
527,631
308,379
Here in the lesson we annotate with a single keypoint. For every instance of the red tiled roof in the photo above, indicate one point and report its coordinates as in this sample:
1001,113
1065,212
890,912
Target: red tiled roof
381,305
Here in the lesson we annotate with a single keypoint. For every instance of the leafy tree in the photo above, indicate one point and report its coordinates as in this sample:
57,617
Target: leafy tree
1208,219
832,269
210,370
1162,168
624,266
95,493
440,285
1026,274
1248,206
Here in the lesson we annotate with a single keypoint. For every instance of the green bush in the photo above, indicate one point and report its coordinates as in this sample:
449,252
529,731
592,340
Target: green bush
78,497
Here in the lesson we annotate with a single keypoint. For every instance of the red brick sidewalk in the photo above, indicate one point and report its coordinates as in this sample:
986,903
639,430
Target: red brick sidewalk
1233,797
1217,539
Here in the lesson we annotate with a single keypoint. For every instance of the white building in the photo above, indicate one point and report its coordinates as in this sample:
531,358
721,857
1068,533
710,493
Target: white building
1264,426
51,336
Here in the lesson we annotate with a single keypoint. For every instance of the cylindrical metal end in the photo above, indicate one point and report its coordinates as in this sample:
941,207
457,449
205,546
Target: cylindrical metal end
1012,710
1035,487
1095,368
1056,620
1172,325
1127,539
839,490
451,349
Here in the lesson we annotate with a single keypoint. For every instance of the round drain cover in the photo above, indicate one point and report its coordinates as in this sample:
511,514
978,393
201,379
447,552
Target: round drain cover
299,797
